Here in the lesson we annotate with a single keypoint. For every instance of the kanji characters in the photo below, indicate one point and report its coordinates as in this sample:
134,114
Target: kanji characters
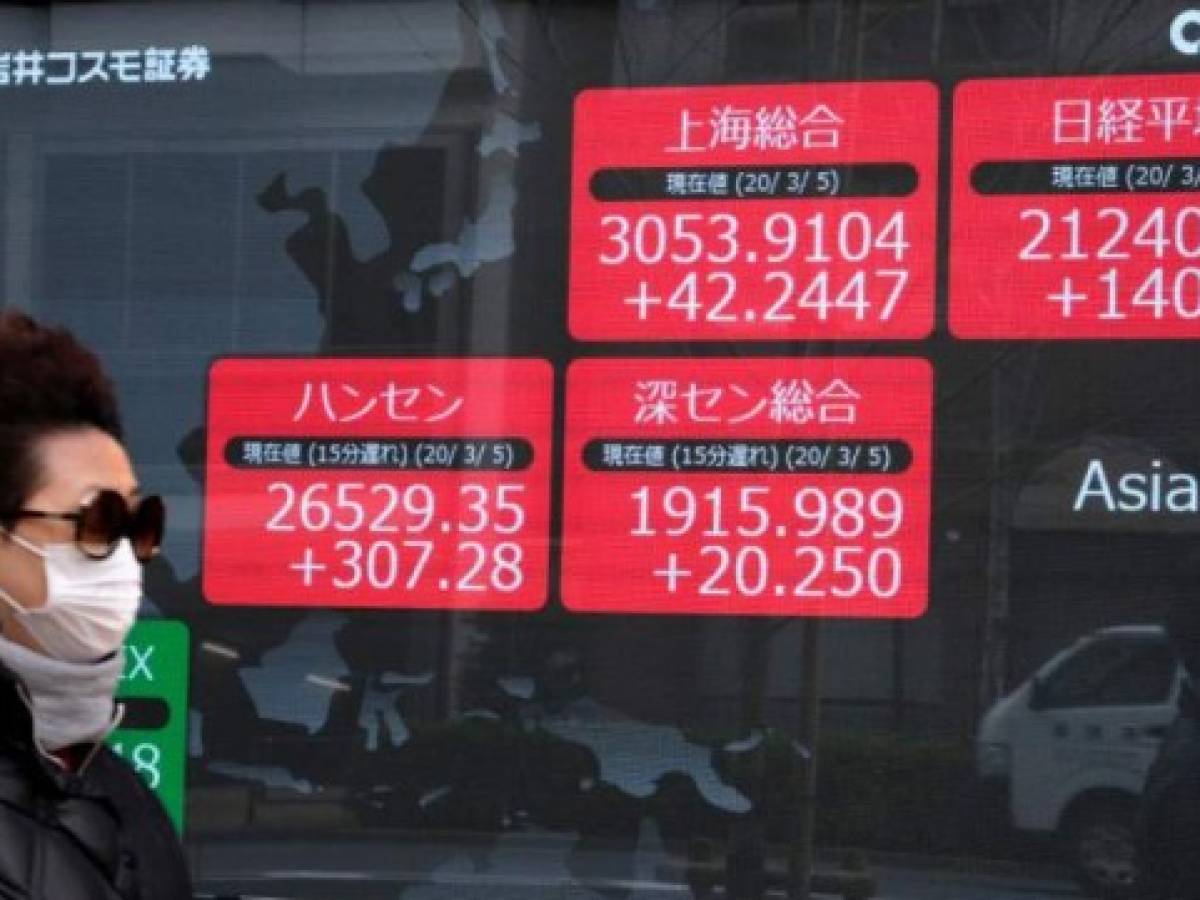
1168,115
28,67
158,64
57,68
271,453
837,402
790,401
778,127
687,126
292,454
1120,121
731,126
252,453
697,184
657,402
1125,120
821,128
775,129
1072,121
194,63
1062,177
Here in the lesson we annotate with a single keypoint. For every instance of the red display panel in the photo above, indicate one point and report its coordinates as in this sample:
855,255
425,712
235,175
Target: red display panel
389,483
781,487
1075,211
764,212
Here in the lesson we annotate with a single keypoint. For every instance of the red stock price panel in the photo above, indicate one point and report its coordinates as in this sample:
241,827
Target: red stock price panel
758,212
386,483
779,487
1075,210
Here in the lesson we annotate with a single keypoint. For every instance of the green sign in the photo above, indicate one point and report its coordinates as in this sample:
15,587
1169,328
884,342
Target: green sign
154,690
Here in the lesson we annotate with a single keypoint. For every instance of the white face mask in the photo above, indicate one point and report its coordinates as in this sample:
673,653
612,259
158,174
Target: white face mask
70,703
90,603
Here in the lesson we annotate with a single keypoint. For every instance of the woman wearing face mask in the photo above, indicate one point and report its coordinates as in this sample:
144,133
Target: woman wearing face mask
75,821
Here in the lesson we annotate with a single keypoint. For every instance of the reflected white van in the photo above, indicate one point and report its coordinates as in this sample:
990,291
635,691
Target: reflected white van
1073,744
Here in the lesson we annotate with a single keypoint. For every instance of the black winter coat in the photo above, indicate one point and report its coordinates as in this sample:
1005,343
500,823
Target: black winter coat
99,834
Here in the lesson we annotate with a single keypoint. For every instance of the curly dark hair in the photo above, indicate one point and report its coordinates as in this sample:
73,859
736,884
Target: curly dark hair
48,382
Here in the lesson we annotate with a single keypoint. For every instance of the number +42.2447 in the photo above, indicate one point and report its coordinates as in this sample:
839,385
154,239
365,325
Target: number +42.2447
775,297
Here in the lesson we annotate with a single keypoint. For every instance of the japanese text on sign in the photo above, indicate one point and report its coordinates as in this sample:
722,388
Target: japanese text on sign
769,212
746,507
747,456
766,128
59,68
792,400
341,402
1102,245
1125,120
415,483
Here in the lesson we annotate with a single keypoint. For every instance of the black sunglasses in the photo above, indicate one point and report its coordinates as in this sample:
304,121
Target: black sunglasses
103,520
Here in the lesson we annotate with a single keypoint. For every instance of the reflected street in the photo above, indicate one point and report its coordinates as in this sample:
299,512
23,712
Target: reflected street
540,866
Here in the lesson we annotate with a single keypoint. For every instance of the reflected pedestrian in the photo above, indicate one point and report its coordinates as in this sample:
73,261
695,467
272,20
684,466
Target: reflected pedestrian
1168,832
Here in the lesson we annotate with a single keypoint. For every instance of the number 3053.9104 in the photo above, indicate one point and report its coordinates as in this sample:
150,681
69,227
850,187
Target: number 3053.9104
686,239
